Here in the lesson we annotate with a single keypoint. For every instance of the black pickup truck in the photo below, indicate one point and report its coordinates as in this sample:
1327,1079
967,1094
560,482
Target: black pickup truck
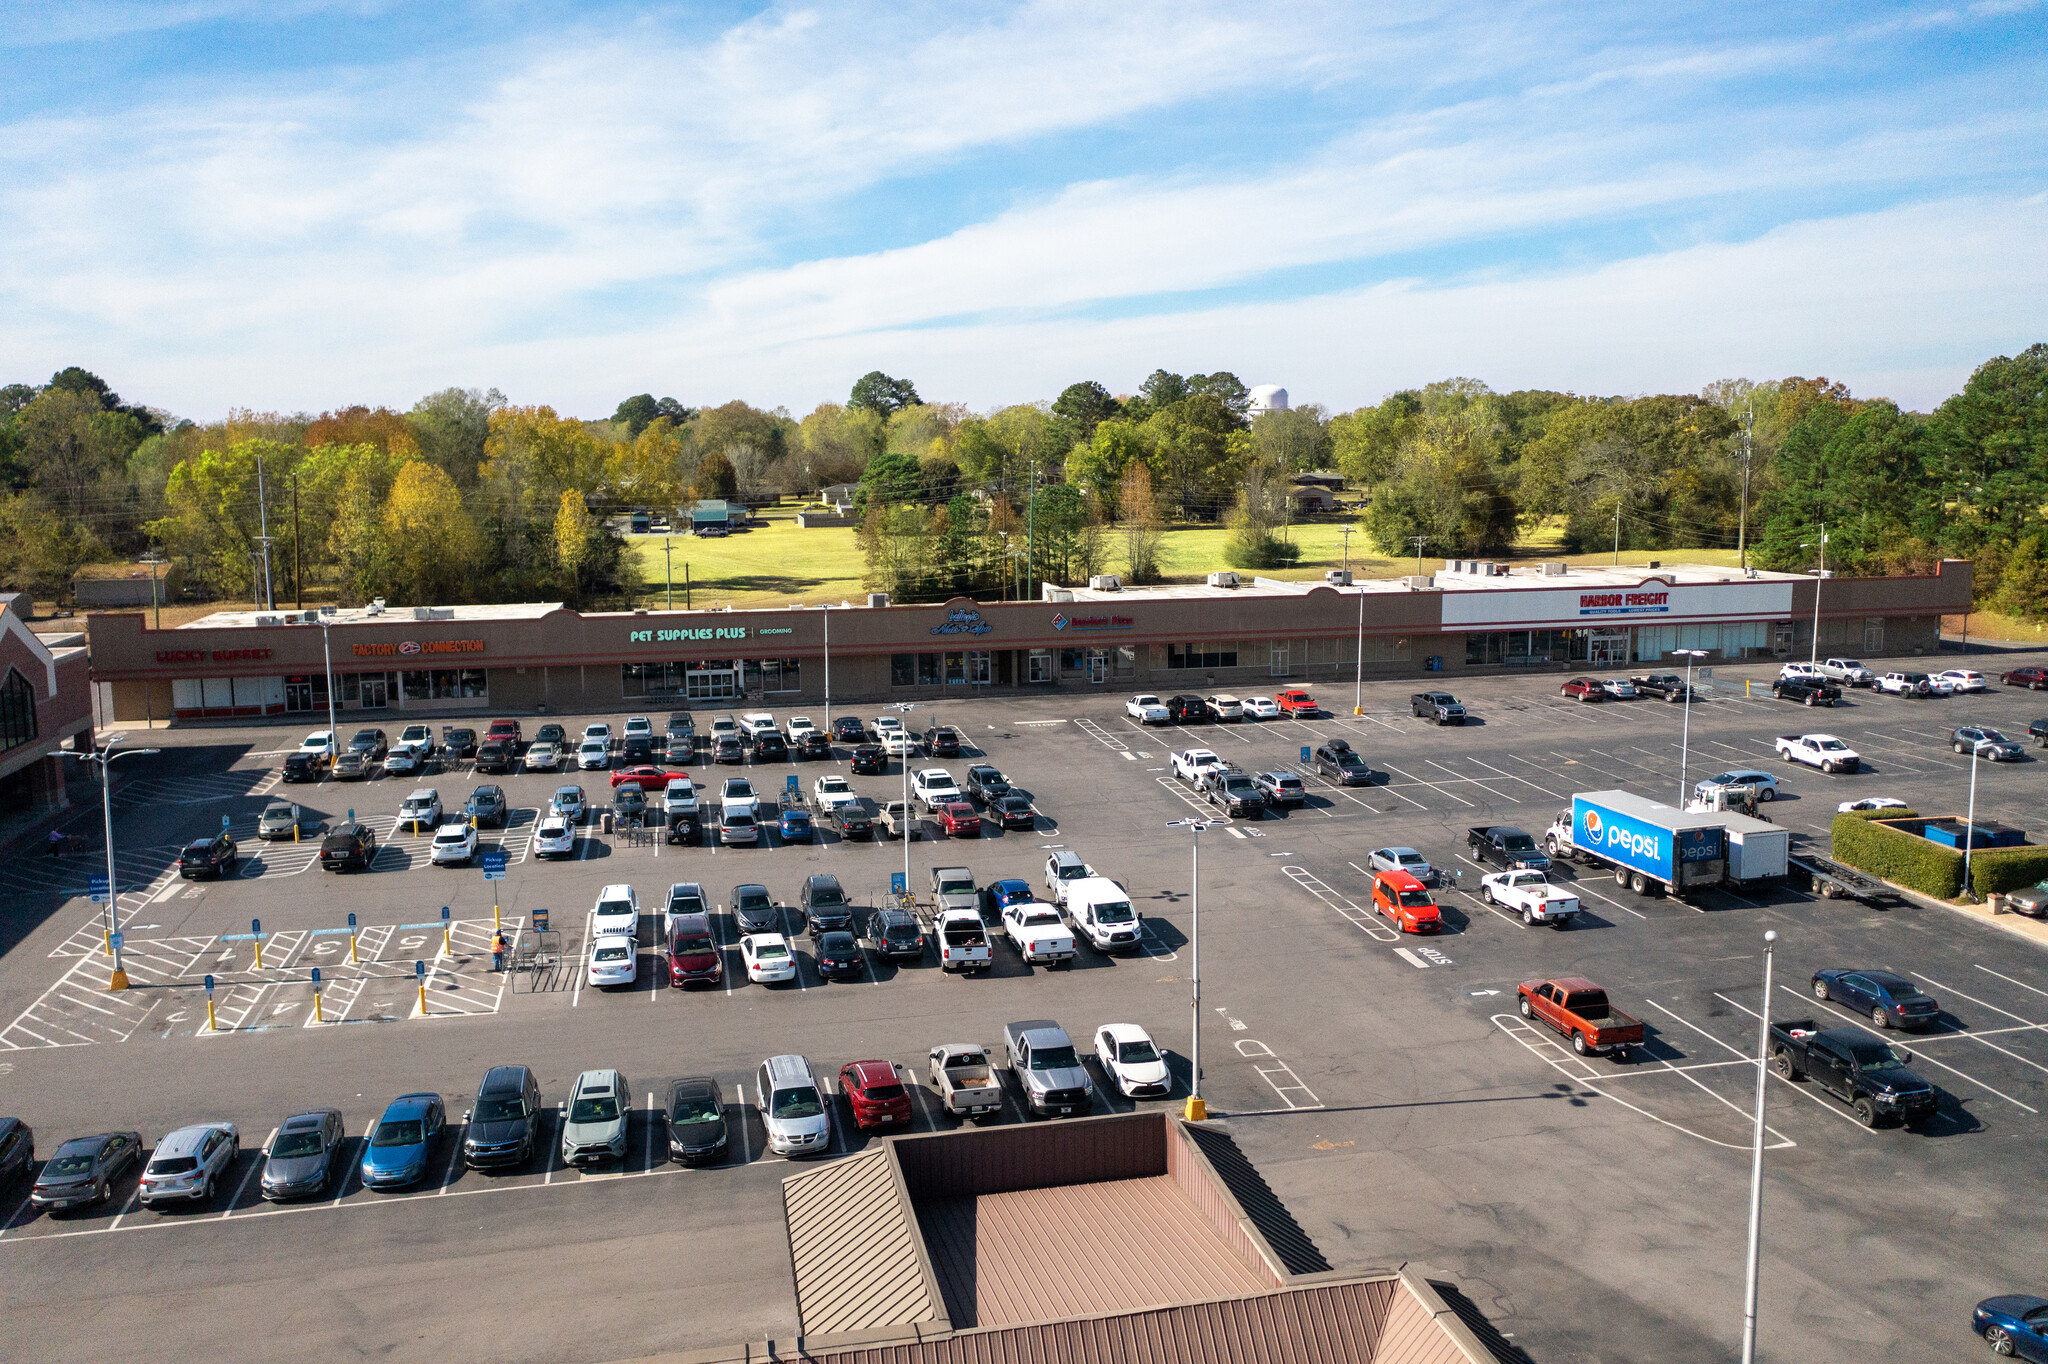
1806,691
1667,686
1440,706
1864,1072
2038,731
1506,847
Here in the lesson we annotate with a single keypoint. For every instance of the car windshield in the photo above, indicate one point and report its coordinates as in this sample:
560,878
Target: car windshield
1518,843
690,942
1992,736
1876,1057
689,1111
903,933
289,1145
595,1108
738,819
1831,745
1136,1053
1412,859
614,907
754,898
770,951
953,885
1052,1058
500,1110
173,1165
796,1103
827,895
1113,912
1039,918
399,1132
68,1165
1416,899
832,785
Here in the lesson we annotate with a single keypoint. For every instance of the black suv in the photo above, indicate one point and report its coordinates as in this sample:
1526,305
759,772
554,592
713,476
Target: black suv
848,729
816,744
942,741
1806,691
984,783
347,847
896,934
729,750
868,760
458,743
495,756
824,904
1439,706
636,750
771,747
302,767
213,857
852,820
486,807
504,1127
1336,761
1187,710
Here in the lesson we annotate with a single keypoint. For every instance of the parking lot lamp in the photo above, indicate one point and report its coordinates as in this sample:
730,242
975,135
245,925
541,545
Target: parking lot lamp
327,658
1756,1161
1196,1109
1685,730
904,708
1358,683
1970,828
104,758
1820,575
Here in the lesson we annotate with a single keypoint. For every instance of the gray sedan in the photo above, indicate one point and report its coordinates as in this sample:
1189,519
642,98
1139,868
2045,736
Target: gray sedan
83,1170
303,1156
280,819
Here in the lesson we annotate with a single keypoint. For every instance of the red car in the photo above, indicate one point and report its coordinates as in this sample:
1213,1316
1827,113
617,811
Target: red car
646,777
1584,689
876,1094
505,731
2034,679
960,820
693,956
1295,701
1404,899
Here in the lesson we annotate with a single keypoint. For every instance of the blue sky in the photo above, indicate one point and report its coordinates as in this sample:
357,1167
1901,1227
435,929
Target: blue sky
301,205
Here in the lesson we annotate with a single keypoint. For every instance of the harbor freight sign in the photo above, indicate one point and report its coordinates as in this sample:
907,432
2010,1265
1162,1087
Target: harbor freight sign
1654,599
1622,603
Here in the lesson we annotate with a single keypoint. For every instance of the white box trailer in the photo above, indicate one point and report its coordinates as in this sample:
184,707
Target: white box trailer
1758,850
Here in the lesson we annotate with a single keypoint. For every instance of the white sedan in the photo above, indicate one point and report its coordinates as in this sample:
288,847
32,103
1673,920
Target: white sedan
453,843
1147,710
886,723
1261,708
800,727
1963,679
1619,688
554,836
543,758
833,792
898,743
767,957
1870,803
594,756
613,960
1131,1061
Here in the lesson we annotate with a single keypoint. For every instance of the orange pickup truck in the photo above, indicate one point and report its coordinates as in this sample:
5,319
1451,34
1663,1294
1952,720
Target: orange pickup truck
1579,1010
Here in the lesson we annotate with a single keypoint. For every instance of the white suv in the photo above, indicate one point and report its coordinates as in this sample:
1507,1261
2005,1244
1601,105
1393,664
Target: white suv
618,911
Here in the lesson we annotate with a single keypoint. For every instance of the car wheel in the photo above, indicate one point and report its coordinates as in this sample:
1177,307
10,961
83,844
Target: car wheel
1528,1010
1579,1043
1781,1061
1866,1112
2000,1341
1809,699
1528,917
1486,892
1768,793
1639,883
1827,769
1958,748
1820,989
1880,1017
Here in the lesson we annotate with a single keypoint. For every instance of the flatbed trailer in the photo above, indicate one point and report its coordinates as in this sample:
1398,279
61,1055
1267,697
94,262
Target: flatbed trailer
1832,881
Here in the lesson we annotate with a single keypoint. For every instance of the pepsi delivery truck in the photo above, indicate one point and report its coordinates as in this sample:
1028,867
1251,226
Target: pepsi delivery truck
1648,846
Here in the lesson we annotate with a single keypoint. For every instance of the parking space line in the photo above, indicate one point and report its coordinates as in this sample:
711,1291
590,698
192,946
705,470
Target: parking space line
1433,786
1359,917
1273,1068
1922,1055
254,1166
1974,1000
2022,984
1512,777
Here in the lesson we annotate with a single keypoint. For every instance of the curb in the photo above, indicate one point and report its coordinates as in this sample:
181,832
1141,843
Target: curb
2034,931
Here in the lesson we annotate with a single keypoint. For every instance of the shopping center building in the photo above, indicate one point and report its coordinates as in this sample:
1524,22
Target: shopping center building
1229,633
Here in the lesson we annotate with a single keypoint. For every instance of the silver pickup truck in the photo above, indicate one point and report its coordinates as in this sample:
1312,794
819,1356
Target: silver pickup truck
1041,1055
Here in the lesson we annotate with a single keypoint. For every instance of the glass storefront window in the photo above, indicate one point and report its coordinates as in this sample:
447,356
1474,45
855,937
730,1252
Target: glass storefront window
475,684
902,670
418,684
927,670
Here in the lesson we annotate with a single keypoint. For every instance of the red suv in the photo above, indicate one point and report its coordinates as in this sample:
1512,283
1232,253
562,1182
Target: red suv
1584,689
505,732
876,1093
960,820
1406,901
2033,679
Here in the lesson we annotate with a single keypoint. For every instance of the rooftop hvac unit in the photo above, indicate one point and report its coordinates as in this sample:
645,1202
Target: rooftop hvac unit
375,608
1553,569
1337,577
1493,570
423,613
328,610
1416,583
268,620
1105,582
1224,578
878,599
1049,592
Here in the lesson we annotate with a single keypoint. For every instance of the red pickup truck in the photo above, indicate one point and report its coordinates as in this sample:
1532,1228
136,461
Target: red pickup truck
1295,701
1579,1010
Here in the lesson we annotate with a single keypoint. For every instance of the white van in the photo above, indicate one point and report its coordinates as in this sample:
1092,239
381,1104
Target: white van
1102,913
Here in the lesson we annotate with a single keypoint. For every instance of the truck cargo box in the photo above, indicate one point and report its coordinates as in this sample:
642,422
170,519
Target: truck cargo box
1757,849
1681,850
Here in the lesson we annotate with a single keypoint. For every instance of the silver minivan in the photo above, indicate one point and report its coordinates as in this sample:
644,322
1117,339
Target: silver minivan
594,1129
792,1107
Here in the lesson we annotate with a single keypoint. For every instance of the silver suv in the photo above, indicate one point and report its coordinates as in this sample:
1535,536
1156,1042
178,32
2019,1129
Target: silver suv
188,1164
792,1107
594,1129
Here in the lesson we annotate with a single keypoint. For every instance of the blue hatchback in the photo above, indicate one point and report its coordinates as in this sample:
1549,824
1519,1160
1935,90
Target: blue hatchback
403,1141
795,826
997,896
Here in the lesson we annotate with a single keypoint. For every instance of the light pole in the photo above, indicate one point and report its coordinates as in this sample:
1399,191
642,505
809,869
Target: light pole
909,824
1685,740
1358,683
1970,829
1345,530
668,571
104,758
1197,1111
828,677
1756,1160
1819,577
327,657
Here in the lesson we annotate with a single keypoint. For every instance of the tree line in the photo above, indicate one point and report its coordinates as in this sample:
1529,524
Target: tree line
468,497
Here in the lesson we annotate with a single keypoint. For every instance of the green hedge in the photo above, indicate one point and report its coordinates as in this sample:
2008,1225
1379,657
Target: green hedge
1914,862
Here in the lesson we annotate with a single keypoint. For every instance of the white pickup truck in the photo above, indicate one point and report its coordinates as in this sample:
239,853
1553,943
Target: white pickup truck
961,940
1847,671
1528,894
1038,932
934,788
960,1073
1193,764
1824,751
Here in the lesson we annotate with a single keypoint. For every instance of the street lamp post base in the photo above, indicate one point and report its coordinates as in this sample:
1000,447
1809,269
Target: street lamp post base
119,981
1197,1111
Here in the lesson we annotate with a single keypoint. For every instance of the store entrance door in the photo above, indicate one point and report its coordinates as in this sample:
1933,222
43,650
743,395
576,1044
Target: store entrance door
1607,648
298,693
712,685
376,692
1098,666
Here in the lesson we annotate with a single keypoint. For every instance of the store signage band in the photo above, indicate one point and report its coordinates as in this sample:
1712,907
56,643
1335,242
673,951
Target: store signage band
1063,621
211,655
1622,603
959,622
411,647
687,636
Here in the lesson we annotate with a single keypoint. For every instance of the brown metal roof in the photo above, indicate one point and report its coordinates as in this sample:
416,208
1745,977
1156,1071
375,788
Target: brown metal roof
854,1244
1074,1249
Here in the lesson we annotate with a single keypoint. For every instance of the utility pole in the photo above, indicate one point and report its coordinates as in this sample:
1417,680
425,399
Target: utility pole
1617,528
1030,514
263,522
686,585
1419,541
1818,578
1742,517
1346,533
298,555
668,572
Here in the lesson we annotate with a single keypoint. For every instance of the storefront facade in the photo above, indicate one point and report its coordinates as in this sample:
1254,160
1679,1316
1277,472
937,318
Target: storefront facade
543,658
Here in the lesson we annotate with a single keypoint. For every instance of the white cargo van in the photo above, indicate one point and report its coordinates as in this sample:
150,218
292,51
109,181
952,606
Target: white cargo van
1102,913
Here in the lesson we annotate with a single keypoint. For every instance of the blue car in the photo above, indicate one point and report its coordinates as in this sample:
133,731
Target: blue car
796,825
403,1141
2014,1325
1891,1000
997,896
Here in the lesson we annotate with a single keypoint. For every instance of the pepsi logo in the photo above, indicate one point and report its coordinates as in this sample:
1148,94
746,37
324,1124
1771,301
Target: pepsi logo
1593,825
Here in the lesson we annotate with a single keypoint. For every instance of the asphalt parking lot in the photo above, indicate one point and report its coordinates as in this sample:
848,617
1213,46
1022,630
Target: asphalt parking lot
1385,1086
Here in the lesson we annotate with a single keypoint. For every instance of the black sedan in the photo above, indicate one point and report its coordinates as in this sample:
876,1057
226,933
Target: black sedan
869,760
696,1120
2014,1325
1013,811
847,729
82,1171
839,956
1890,999
852,820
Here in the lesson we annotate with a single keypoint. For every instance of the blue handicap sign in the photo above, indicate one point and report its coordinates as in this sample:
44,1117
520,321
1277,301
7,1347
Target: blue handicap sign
444,914
209,985
256,927
225,822
116,939
897,885
419,969
789,782
1304,752
316,975
351,921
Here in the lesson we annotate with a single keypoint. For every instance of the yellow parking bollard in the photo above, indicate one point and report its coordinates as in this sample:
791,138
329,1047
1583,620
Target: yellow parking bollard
423,999
1197,1111
259,954
211,1026
447,944
107,942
